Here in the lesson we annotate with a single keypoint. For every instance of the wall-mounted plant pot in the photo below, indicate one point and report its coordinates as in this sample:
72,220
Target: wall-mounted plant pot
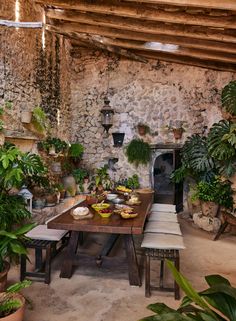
52,151
118,139
143,130
26,116
56,167
178,132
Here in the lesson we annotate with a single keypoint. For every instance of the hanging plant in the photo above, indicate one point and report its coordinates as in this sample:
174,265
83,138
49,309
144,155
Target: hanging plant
138,152
228,98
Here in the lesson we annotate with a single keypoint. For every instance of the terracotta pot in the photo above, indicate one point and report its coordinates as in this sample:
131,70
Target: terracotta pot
178,132
56,167
51,199
18,315
142,130
3,277
209,208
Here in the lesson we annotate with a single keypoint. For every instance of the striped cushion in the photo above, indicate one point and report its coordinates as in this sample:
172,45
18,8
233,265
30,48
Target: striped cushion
162,227
163,217
163,241
41,232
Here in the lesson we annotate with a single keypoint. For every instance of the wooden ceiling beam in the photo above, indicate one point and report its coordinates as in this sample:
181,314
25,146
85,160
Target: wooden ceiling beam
131,35
189,61
145,27
174,50
210,4
147,13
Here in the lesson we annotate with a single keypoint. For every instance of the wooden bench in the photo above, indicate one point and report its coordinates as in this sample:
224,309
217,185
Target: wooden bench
41,238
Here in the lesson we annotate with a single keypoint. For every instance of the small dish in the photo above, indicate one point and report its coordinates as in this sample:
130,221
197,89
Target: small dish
117,200
128,215
133,202
100,206
105,213
111,196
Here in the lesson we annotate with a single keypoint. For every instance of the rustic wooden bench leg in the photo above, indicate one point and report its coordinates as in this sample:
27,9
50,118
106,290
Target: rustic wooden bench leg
147,277
38,259
176,286
134,276
67,266
48,264
221,230
162,275
22,267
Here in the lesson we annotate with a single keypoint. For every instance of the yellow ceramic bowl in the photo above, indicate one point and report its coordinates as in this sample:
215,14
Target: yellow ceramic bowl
100,206
105,215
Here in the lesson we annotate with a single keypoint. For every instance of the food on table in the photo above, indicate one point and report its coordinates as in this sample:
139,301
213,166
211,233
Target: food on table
118,200
134,200
123,189
105,213
128,215
100,206
79,212
126,211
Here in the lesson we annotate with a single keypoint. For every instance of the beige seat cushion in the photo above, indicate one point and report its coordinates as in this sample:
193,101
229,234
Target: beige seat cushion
162,227
163,241
41,232
163,217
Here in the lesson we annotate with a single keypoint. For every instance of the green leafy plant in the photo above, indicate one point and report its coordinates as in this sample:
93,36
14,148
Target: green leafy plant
216,303
80,174
138,152
130,182
12,244
221,144
214,191
17,167
9,302
228,97
60,145
101,178
40,120
76,150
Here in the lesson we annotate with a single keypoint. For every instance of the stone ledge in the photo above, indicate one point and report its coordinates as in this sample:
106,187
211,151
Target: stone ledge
40,216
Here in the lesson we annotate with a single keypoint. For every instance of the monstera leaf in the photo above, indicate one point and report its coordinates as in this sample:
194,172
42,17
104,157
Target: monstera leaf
228,98
221,144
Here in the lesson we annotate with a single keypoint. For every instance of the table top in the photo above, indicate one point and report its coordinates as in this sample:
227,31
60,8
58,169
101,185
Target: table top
114,224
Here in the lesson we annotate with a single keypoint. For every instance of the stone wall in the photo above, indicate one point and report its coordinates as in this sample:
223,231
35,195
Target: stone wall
32,74
155,93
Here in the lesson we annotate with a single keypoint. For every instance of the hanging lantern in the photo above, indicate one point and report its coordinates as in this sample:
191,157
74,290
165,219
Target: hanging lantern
107,115
27,196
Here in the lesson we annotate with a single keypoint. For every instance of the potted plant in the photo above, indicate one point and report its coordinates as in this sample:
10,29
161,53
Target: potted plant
39,122
26,116
75,153
138,152
80,174
212,195
11,248
216,303
12,303
143,129
101,180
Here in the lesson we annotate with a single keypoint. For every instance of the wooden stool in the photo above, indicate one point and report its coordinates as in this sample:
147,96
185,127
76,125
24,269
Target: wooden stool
41,238
160,246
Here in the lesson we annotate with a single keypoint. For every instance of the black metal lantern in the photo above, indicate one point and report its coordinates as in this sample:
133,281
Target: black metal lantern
107,115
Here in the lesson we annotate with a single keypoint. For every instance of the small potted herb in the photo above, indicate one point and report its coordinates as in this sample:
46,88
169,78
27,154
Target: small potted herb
143,129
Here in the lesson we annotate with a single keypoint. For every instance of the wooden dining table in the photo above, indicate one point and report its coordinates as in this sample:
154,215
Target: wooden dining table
114,225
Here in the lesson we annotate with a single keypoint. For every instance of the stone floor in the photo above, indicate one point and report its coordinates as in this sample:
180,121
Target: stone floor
104,294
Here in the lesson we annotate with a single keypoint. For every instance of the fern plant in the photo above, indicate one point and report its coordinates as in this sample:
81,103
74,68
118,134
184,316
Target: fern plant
138,152
228,97
40,120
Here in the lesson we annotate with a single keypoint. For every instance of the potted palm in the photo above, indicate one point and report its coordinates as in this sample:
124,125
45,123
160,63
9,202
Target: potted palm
12,303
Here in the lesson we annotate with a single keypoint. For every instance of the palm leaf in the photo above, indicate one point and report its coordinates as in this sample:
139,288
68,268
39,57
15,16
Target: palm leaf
228,97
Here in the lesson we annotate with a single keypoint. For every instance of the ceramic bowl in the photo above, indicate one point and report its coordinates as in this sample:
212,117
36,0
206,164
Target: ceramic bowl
105,215
100,206
118,200
111,196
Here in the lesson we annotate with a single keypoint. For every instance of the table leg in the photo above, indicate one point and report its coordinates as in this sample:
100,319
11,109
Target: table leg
66,269
107,248
134,275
